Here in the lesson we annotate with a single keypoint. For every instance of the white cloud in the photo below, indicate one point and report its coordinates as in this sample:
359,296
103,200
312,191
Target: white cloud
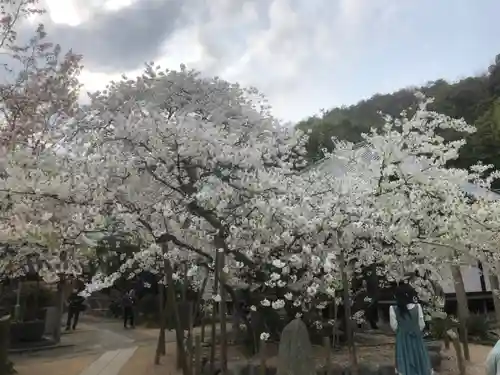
290,49
76,12
114,5
64,12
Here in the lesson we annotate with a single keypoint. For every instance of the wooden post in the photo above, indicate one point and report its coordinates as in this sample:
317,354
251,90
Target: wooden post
203,326
60,304
179,332
189,340
495,290
446,337
184,282
198,311
17,307
262,357
334,328
6,366
197,356
213,345
328,355
160,347
462,308
348,318
456,344
223,317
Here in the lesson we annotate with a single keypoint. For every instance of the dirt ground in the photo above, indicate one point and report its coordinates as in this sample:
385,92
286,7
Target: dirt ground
478,354
49,366
142,361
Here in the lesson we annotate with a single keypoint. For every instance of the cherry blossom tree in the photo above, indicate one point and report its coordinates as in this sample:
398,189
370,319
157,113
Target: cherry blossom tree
422,207
39,85
197,167
39,89
190,163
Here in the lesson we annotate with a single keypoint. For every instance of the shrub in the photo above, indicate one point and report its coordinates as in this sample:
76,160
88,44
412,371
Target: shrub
34,298
478,326
439,326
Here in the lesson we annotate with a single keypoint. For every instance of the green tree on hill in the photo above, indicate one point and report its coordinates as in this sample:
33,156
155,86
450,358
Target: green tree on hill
475,99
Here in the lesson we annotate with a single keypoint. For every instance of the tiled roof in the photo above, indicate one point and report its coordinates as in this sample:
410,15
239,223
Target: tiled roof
339,167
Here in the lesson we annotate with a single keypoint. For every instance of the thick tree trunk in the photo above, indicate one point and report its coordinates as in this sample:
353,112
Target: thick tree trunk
335,330
5,364
213,335
462,308
179,332
198,313
223,318
17,308
458,350
60,304
203,327
185,305
160,347
199,299
348,317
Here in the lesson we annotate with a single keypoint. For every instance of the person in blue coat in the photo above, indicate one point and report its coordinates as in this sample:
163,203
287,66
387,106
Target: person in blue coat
493,360
407,320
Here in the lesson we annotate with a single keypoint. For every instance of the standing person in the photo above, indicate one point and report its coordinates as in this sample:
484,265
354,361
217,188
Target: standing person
370,306
128,302
493,360
75,306
407,320
373,291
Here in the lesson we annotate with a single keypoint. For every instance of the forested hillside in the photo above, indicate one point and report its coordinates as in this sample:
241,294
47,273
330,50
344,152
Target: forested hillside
476,99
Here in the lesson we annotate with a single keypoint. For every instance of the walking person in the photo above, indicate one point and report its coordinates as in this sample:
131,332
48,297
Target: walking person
407,320
128,302
76,304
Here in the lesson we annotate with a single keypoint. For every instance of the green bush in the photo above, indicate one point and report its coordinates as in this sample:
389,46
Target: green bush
34,298
479,326
439,326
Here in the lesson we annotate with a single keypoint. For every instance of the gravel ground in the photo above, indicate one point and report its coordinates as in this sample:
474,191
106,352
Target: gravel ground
478,354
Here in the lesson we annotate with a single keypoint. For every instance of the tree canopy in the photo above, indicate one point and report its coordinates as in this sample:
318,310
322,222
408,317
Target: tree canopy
475,99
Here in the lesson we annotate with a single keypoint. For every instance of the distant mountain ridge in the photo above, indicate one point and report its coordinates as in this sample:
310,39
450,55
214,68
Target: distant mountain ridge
475,99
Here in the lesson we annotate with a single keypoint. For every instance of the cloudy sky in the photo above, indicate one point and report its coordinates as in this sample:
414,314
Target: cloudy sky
303,54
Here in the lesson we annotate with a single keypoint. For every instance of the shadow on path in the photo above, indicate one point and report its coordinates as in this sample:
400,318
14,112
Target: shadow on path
93,336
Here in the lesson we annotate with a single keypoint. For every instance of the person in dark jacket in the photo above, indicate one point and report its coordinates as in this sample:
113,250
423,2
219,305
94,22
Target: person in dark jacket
75,306
128,302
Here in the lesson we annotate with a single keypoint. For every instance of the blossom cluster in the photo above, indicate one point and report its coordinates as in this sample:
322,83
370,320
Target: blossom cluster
197,167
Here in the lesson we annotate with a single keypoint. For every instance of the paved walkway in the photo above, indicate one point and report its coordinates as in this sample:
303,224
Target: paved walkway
142,362
52,366
110,363
93,338
101,346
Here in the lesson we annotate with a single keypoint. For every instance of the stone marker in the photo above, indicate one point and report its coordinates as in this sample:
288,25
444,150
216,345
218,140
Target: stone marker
51,320
295,356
